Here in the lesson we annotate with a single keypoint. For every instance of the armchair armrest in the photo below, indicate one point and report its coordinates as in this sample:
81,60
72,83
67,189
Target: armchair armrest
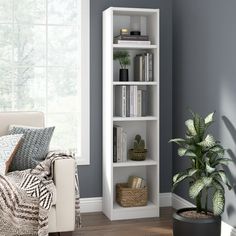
64,179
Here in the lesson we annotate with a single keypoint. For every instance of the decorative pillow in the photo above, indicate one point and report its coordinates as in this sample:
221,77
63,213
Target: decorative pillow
33,149
8,147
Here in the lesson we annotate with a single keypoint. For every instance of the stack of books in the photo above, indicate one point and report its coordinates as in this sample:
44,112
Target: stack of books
119,144
130,101
143,67
132,39
136,182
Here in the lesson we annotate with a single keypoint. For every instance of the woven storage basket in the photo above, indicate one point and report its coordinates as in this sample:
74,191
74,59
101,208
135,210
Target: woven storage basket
137,156
130,197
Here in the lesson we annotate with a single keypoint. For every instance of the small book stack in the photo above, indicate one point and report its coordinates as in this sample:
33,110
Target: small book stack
143,67
130,101
119,144
132,39
136,182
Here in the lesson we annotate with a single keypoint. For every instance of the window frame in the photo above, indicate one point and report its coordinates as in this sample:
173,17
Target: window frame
84,59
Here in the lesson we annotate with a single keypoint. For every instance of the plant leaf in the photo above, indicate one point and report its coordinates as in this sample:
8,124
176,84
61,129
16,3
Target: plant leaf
190,125
218,202
185,152
179,141
208,142
198,186
209,118
199,124
209,169
224,178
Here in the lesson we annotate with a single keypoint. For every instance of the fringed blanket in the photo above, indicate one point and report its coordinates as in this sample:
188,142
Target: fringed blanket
26,198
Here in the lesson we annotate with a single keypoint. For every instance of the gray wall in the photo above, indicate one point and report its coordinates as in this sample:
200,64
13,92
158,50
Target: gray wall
204,76
91,176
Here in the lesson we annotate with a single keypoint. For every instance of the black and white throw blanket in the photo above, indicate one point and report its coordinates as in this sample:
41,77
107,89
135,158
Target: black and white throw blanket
26,198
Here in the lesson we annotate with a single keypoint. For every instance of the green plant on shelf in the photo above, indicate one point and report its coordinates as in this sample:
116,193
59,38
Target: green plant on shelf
123,57
139,144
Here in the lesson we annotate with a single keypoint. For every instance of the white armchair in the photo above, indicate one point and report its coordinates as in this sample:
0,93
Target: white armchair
62,214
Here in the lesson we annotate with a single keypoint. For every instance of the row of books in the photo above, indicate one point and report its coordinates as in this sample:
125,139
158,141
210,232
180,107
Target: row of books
136,182
119,144
143,67
132,39
130,101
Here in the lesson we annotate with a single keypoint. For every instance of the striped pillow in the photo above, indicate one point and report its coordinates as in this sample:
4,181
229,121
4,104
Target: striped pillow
33,149
8,147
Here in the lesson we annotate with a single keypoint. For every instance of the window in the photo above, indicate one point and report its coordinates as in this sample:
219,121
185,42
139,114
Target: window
44,66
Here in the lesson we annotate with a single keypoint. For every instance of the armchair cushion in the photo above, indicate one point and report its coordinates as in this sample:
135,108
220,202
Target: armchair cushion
33,149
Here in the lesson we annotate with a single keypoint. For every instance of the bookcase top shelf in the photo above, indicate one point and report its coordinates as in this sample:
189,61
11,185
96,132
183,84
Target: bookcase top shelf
142,118
134,83
135,163
134,46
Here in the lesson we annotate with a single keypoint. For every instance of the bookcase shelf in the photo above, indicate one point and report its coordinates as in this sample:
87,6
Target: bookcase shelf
146,125
135,83
135,163
142,118
134,46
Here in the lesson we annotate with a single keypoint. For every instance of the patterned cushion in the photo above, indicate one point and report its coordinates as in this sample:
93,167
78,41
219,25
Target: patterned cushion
33,149
8,147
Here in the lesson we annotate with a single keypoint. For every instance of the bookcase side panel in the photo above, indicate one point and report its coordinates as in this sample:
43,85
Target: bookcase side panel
107,113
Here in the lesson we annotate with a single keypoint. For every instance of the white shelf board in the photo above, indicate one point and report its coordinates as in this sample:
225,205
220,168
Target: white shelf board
122,213
135,163
142,118
117,207
135,83
134,46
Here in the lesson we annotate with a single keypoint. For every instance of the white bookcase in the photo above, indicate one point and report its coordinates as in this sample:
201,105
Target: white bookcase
148,126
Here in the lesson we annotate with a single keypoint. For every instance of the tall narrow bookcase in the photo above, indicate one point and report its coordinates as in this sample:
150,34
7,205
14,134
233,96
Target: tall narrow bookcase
148,126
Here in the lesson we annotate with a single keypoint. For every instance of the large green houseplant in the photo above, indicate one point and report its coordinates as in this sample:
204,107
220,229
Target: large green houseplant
205,174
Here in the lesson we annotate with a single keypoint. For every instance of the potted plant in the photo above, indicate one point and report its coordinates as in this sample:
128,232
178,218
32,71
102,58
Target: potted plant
124,59
206,179
138,153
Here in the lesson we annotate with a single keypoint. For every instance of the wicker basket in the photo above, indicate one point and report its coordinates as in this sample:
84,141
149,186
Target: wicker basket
137,156
130,197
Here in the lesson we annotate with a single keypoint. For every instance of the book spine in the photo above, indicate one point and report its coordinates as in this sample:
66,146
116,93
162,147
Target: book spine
147,66
139,103
131,101
135,100
119,144
144,103
114,144
151,71
133,42
124,147
132,37
143,67
123,101
128,101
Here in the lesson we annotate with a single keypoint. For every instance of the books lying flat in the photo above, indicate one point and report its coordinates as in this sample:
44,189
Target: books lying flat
143,67
119,144
132,37
132,42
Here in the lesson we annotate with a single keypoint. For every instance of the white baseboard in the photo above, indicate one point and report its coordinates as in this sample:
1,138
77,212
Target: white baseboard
95,204
178,202
165,199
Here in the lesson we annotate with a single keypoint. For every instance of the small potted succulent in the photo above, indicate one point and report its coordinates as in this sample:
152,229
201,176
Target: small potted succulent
138,153
124,60
206,179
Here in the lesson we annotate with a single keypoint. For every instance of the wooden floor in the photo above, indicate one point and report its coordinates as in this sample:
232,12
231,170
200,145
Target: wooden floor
96,224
